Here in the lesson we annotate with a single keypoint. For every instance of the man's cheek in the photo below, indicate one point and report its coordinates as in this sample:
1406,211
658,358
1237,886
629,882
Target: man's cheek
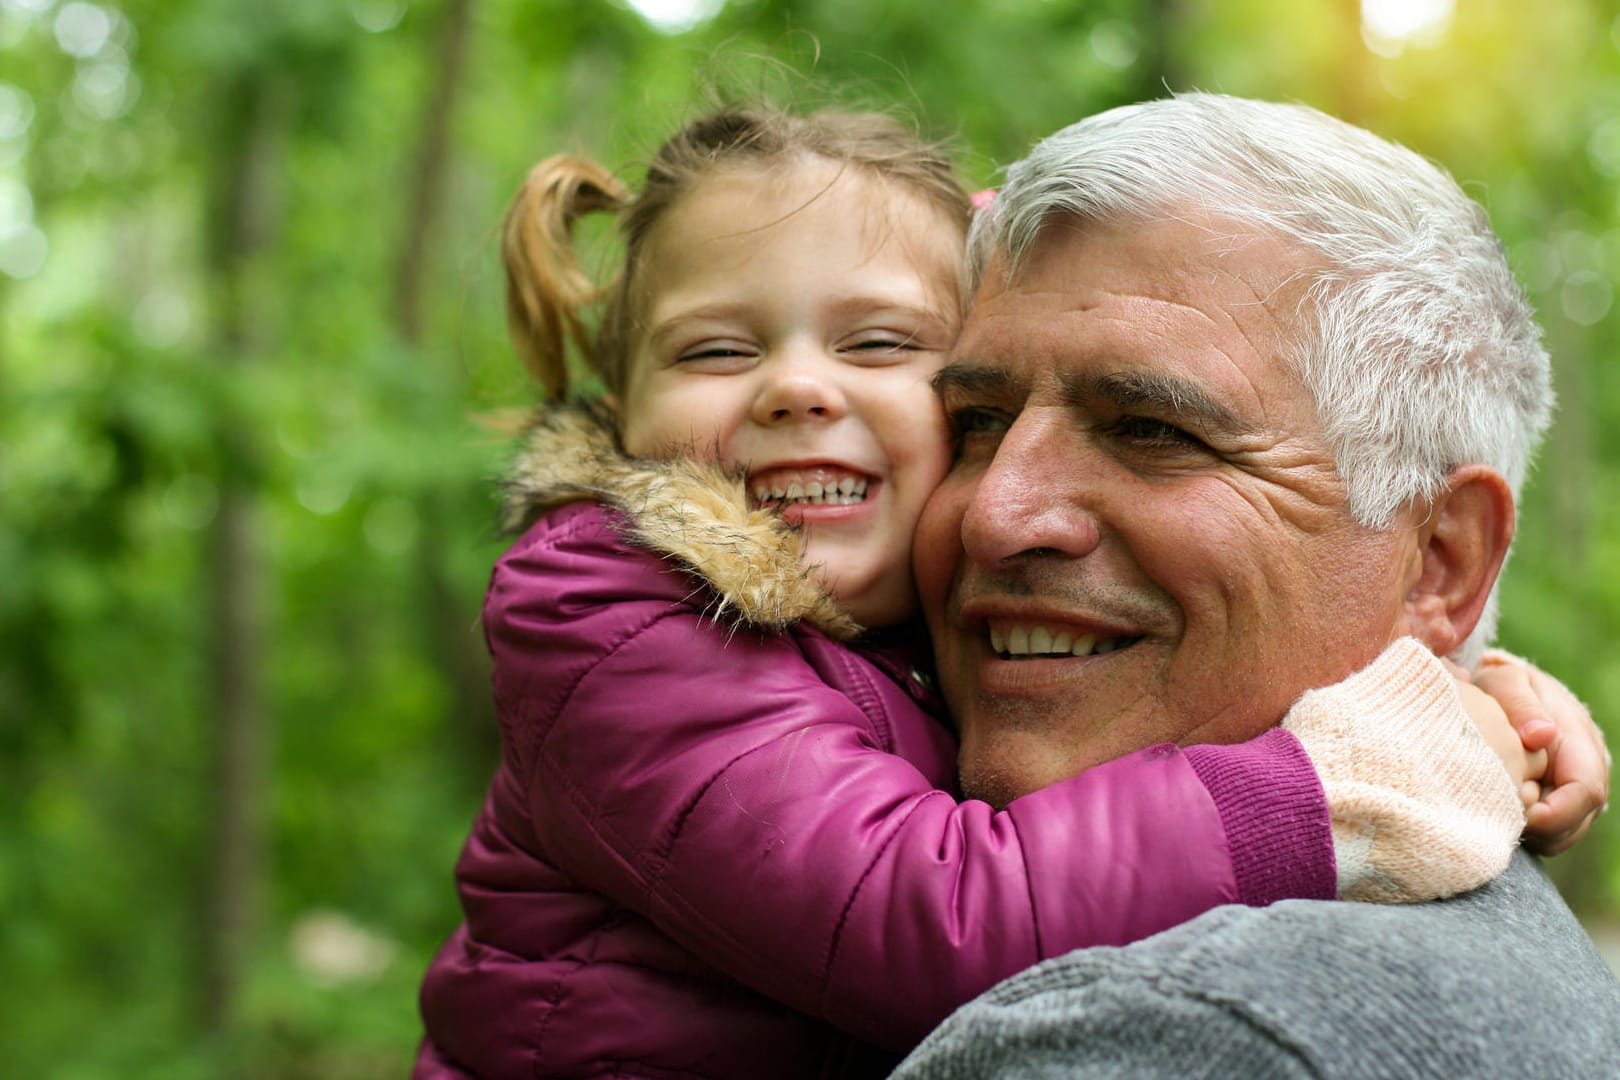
938,538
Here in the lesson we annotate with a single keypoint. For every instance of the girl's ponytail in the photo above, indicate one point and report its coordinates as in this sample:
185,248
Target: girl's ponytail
546,288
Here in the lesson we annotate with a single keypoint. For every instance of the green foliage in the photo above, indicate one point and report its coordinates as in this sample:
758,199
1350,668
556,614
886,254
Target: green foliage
140,390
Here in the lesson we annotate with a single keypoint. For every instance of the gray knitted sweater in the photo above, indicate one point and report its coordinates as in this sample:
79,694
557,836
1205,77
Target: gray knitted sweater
1498,982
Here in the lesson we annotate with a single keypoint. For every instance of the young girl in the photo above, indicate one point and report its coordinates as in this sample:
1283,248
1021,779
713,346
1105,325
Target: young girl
722,840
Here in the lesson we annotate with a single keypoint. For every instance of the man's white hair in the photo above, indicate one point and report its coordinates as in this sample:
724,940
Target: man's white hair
1416,343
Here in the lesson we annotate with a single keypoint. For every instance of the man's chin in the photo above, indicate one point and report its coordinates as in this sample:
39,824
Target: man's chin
1000,777
990,786
1011,746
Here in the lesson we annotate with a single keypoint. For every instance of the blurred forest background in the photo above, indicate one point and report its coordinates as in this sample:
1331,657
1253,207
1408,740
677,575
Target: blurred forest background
250,309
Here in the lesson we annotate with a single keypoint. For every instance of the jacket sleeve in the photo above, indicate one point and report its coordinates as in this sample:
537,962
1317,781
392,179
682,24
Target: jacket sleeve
713,782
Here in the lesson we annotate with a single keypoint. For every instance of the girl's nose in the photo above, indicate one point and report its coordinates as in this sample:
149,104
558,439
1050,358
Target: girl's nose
797,392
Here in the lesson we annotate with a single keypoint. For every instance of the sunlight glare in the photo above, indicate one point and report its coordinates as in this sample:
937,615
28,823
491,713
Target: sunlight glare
1388,26
677,16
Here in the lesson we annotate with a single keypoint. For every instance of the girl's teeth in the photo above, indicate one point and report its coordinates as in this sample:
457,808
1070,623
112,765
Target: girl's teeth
841,493
845,491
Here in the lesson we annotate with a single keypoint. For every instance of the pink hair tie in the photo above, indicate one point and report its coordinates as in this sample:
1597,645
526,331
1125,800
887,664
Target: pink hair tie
982,199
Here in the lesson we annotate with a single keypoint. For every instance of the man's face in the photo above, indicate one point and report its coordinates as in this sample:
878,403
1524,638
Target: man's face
1143,538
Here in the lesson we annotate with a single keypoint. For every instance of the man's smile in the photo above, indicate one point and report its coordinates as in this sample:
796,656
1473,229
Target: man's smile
1013,640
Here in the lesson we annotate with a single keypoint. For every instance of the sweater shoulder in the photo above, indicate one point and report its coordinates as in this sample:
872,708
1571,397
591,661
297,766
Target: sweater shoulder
1436,988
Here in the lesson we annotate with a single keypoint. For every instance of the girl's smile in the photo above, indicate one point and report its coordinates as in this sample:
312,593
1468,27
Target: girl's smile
791,322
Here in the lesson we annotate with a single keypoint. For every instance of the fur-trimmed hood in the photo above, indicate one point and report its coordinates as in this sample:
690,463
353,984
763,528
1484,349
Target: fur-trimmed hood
691,513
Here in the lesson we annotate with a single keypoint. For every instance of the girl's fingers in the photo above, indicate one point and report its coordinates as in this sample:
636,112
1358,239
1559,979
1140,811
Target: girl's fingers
1556,823
1513,688
1575,786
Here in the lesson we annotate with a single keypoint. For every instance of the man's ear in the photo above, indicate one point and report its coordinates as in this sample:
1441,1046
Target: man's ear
1463,542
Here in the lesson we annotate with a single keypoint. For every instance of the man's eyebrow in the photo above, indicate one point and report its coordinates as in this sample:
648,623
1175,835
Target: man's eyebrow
1163,394
974,380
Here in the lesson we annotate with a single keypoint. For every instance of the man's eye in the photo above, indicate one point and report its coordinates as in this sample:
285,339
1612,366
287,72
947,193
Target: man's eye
1151,434
974,420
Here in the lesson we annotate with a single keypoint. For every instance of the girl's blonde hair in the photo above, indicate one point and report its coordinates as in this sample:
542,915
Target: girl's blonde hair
548,292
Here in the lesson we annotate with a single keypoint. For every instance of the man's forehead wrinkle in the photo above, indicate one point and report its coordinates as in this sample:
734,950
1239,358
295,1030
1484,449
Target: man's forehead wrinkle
1262,316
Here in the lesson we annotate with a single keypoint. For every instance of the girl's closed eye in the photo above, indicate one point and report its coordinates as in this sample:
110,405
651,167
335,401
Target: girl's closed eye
878,345
720,355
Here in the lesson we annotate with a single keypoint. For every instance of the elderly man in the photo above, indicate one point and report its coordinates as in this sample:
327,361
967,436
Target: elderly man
1246,394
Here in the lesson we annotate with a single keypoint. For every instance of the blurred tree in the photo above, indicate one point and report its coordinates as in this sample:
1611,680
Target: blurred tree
444,611
251,126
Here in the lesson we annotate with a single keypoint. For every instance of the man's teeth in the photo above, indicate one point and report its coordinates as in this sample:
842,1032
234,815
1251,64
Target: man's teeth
1041,641
843,492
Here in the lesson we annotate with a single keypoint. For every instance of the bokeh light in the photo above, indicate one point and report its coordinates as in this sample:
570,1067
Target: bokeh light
1388,26
677,16
23,251
82,29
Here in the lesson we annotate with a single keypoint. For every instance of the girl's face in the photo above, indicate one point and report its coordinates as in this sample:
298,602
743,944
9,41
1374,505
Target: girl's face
790,321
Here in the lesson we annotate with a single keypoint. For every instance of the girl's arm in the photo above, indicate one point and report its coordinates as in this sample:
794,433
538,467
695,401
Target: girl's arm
713,781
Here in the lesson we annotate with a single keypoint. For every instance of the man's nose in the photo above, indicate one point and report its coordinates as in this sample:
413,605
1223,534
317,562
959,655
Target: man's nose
1028,499
797,387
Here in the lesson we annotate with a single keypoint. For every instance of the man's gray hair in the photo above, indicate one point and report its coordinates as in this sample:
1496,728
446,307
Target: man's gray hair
1416,343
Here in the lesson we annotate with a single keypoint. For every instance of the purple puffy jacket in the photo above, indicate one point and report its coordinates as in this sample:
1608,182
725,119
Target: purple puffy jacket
723,843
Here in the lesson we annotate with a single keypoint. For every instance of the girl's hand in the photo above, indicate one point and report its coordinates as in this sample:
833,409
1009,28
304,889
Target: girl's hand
1575,787
1501,723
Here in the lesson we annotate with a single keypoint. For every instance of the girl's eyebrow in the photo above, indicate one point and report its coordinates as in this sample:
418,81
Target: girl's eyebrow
703,311
670,324
853,306
860,304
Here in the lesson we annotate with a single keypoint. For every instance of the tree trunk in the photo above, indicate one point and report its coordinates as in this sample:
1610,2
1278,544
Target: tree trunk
429,167
1159,71
251,114
448,615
